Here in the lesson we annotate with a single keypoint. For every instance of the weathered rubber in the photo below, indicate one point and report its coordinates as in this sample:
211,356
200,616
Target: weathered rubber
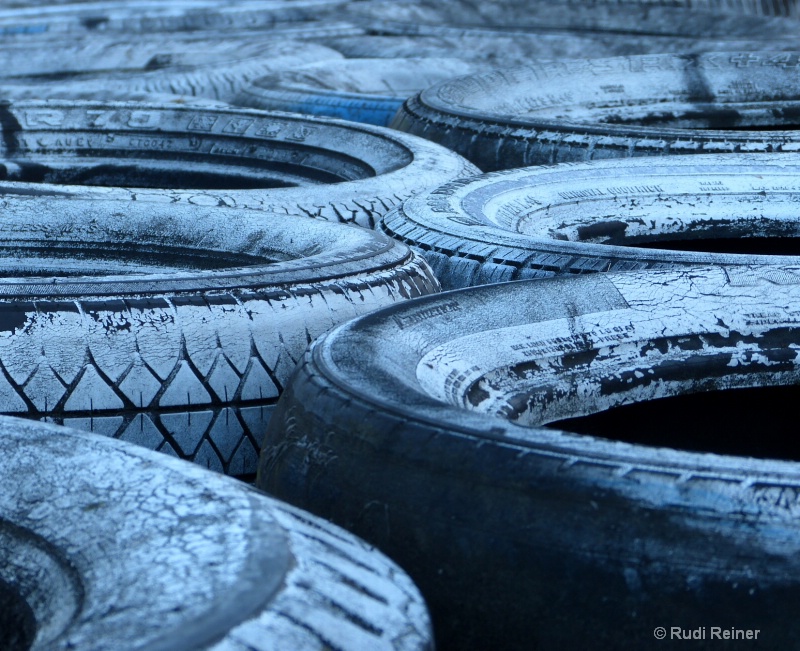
175,326
588,217
213,68
405,427
115,547
147,16
359,171
726,19
80,90
110,53
361,90
508,48
567,111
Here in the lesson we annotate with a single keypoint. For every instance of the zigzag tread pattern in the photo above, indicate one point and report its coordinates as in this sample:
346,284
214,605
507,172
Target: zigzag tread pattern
194,377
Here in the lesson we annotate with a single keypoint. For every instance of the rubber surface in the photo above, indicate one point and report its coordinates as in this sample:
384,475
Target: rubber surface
361,90
175,326
114,53
406,427
114,547
273,162
588,217
644,17
507,47
147,16
566,111
80,90
213,68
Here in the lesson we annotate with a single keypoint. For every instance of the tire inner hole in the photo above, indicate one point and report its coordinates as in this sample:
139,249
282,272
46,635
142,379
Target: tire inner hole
88,259
281,169
740,245
752,422
17,620
143,176
732,237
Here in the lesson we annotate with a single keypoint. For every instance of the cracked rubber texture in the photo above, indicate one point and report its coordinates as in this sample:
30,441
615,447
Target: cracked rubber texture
361,90
283,163
175,327
418,428
114,547
568,111
587,217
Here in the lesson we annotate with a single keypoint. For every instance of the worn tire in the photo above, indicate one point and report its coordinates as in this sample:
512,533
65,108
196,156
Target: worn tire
405,427
208,155
503,49
112,547
566,111
108,54
637,17
361,90
96,93
147,16
587,217
212,68
175,327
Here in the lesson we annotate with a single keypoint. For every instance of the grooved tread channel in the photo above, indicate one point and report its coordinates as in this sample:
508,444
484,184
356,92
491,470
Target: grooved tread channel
189,361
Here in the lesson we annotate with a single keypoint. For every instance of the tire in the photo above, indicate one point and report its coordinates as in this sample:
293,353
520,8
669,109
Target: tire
175,326
105,55
290,31
92,525
521,536
637,17
147,16
360,90
549,112
80,90
203,68
583,218
209,155
502,48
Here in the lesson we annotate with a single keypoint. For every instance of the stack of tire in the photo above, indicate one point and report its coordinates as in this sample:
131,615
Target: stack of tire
166,260
226,229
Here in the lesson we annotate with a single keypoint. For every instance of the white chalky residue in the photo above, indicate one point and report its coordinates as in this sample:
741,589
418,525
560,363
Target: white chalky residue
162,548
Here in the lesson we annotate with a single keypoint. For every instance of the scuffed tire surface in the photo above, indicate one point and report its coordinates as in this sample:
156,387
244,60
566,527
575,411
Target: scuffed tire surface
503,49
405,427
208,68
79,58
574,110
735,19
175,327
361,90
148,16
114,547
359,171
592,217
